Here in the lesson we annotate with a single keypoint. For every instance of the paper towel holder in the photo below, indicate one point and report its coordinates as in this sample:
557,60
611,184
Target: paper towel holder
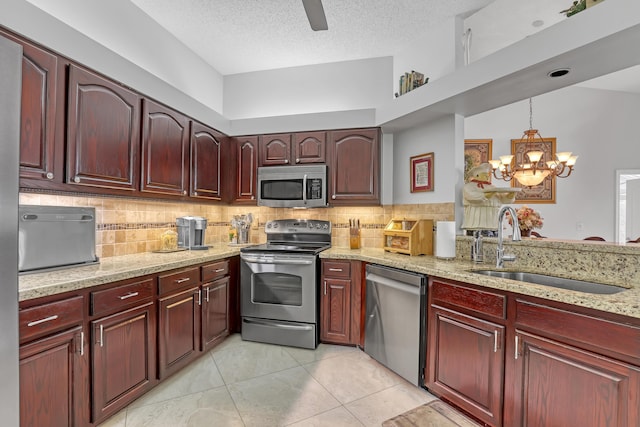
442,252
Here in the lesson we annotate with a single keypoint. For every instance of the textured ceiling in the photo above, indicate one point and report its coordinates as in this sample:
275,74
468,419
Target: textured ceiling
236,36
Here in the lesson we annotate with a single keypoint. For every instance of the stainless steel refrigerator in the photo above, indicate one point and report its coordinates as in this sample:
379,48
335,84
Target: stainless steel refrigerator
10,93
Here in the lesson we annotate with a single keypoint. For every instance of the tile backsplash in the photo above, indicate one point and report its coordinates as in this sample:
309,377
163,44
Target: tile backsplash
127,226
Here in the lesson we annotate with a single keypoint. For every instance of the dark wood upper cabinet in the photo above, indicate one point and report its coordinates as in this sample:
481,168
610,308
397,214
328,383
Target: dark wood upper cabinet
208,151
103,132
275,150
165,150
354,167
41,147
247,169
309,147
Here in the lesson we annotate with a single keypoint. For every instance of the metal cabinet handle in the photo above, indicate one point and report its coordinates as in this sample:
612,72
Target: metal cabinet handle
333,197
101,335
220,270
184,192
516,352
82,343
286,161
206,297
129,295
199,297
76,179
46,319
297,160
325,287
335,269
495,341
184,279
49,175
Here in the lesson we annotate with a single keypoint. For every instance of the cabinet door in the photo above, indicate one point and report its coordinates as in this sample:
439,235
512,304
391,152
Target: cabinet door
40,150
103,141
51,381
275,150
215,309
354,167
247,169
309,147
178,330
336,311
206,162
165,150
465,363
123,354
560,385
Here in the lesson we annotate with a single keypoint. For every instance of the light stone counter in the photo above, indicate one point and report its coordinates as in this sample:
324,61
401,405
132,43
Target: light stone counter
625,303
113,269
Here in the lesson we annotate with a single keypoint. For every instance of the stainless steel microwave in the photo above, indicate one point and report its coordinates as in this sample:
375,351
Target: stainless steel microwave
292,186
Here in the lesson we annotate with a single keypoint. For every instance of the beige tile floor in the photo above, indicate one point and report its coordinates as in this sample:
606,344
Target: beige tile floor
242,383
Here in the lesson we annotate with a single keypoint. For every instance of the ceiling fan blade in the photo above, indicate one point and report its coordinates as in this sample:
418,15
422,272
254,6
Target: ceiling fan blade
315,14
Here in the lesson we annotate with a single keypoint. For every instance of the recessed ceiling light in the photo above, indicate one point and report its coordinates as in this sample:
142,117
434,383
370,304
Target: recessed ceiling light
559,72
538,23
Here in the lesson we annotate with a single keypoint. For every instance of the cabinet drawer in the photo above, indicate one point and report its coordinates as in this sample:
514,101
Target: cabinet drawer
592,333
121,296
52,317
178,280
488,303
214,271
340,269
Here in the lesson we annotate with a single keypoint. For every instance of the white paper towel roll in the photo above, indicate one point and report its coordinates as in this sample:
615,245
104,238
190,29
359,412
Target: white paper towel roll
445,239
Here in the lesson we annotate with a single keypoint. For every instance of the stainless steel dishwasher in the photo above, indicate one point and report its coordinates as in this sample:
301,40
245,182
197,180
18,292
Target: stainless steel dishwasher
395,320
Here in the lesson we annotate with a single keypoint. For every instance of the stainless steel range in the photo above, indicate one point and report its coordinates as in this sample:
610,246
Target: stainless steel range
279,280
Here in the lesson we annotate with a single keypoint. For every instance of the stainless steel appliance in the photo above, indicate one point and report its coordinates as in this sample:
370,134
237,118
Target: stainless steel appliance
292,186
191,232
10,92
279,280
55,237
395,320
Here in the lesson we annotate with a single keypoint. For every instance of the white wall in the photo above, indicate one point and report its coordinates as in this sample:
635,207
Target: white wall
338,86
438,137
138,52
600,126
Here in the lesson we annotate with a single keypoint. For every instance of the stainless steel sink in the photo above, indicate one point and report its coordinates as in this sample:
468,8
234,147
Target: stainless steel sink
552,281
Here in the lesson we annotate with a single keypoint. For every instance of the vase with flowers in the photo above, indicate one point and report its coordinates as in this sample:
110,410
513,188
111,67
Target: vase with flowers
528,219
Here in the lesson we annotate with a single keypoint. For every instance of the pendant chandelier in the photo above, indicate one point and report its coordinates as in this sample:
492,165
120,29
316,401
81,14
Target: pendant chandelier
537,169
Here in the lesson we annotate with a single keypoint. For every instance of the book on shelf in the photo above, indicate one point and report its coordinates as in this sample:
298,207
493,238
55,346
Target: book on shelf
409,81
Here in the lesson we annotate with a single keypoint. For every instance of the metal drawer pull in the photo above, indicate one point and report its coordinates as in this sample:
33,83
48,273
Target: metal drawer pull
220,270
516,355
495,341
207,295
101,335
82,343
325,287
199,297
184,279
46,319
129,295
335,269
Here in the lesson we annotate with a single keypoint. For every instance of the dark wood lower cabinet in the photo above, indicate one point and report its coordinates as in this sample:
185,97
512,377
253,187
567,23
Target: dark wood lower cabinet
467,362
559,385
123,353
179,330
215,309
51,381
336,311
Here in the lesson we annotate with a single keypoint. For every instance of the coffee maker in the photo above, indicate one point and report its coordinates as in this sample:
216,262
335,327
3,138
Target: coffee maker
191,232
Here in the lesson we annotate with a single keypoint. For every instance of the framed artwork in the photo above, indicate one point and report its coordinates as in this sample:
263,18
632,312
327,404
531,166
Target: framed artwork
476,151
545,192
421,167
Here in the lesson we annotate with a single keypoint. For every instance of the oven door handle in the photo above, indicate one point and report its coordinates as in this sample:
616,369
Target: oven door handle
255,260
279,325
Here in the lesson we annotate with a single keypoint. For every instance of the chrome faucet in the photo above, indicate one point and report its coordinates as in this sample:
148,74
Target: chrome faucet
501,257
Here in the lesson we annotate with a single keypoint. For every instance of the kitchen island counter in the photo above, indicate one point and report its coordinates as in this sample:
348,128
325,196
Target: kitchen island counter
626,303
113,269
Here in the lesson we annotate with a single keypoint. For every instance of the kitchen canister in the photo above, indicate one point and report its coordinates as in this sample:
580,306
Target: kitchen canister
445,239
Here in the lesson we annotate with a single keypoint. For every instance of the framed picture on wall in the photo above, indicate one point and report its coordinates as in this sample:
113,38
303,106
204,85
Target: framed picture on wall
421,167
545,192
476,151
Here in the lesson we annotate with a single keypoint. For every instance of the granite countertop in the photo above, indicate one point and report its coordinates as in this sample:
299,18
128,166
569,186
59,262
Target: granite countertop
626,303
113,269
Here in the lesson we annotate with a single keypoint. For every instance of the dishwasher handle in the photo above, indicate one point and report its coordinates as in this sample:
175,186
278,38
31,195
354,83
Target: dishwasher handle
384,281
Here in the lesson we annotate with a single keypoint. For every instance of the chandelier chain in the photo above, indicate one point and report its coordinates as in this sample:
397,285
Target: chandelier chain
530,114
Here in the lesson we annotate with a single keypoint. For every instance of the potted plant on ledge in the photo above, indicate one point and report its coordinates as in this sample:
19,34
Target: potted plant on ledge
579,6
